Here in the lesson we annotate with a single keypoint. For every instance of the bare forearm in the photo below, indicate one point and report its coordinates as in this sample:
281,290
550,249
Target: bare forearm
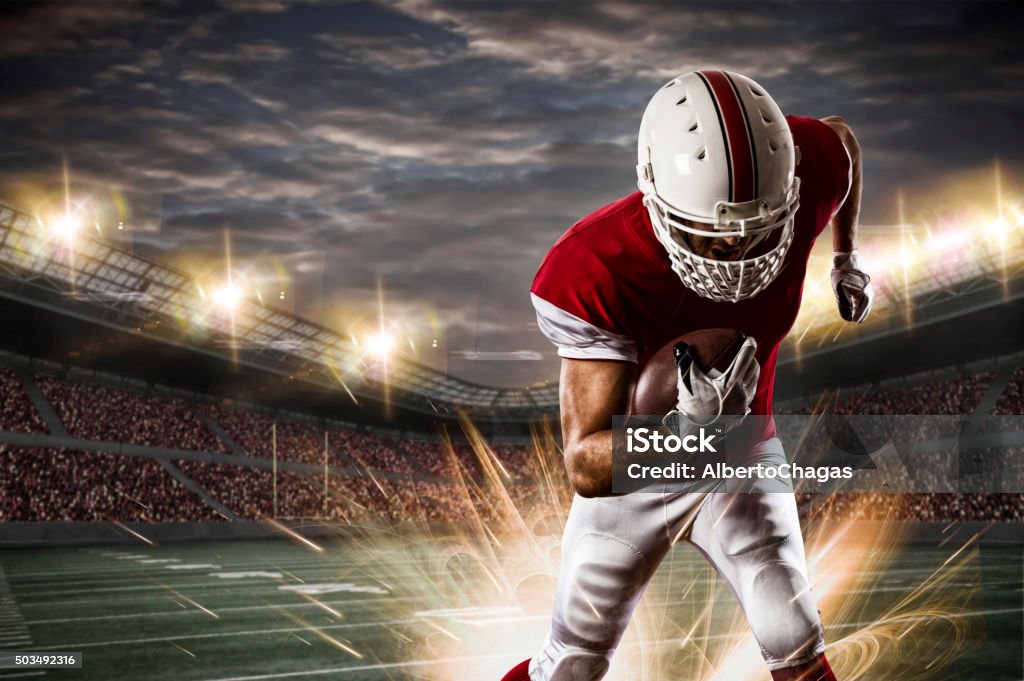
592,393
844,223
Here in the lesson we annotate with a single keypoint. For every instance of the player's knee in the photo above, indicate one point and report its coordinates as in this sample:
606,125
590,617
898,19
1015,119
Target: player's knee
782,614
605,583
752,522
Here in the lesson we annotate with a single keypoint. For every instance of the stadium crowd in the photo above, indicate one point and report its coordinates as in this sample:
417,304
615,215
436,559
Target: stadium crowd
94,412
957,397
59,484
258,435
1011,401
443,458
374,477
941,507
370,451
16,410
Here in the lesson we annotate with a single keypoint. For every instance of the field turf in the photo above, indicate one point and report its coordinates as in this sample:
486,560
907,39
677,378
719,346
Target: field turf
276,609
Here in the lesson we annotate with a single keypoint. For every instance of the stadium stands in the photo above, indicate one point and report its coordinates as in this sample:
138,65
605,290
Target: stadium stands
373,477
1012,399
248,492
256,435
921,507
941,398
16,410
93,412
369,451
57,484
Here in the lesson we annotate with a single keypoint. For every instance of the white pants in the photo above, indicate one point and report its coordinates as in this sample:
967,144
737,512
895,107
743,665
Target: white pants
613,545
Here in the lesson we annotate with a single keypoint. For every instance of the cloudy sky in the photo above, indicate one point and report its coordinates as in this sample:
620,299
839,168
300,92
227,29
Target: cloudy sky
440,149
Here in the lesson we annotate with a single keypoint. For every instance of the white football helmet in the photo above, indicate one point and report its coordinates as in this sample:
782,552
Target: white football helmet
715,149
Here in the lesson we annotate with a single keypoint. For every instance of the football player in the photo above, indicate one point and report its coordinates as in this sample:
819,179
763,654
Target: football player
732,195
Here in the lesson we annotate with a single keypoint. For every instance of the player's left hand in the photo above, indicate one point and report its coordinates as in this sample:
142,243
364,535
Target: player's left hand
714,397
852,287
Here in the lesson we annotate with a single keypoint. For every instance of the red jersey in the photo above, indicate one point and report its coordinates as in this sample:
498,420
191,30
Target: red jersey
606,289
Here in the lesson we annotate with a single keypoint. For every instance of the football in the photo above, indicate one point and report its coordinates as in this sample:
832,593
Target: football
656,390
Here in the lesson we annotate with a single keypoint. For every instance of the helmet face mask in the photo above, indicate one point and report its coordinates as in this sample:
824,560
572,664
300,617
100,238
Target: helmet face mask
724,280
705,182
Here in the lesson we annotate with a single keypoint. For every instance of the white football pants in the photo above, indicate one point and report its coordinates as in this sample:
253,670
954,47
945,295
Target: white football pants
613,545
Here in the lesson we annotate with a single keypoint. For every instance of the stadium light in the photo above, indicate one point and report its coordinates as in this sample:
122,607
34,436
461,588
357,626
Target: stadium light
999,229
65,226
227,296
380,345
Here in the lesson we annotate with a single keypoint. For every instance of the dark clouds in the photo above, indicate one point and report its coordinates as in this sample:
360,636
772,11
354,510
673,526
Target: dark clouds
444,147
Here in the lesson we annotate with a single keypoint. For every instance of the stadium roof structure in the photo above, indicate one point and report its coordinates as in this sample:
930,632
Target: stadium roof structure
118,288
102,284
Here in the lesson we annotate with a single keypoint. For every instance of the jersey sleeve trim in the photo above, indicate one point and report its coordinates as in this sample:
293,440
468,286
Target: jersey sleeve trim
579,339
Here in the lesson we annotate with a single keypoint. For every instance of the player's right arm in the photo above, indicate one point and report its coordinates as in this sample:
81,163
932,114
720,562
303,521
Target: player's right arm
591,392
583,309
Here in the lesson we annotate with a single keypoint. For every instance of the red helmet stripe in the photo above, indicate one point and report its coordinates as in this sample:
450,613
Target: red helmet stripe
737,131
721,123
750,135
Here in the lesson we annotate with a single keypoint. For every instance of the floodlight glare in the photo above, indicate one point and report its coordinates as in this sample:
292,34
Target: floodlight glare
380,345
227,296
65,225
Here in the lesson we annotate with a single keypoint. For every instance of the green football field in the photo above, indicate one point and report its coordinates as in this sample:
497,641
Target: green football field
401,608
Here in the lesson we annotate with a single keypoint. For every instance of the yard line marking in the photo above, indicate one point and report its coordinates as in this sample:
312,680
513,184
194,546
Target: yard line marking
136,576
261,586
128,567
92,568
220,634
236,590
15,631
240,608
193,566
185,574
20,579
362,625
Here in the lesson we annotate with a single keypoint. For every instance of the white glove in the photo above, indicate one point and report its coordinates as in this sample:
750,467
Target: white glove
852,287
715,398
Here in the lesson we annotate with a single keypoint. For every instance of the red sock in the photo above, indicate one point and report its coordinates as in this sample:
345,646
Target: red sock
521,672
815,670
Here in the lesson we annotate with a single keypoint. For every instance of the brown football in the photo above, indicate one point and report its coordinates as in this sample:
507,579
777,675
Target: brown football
656,390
